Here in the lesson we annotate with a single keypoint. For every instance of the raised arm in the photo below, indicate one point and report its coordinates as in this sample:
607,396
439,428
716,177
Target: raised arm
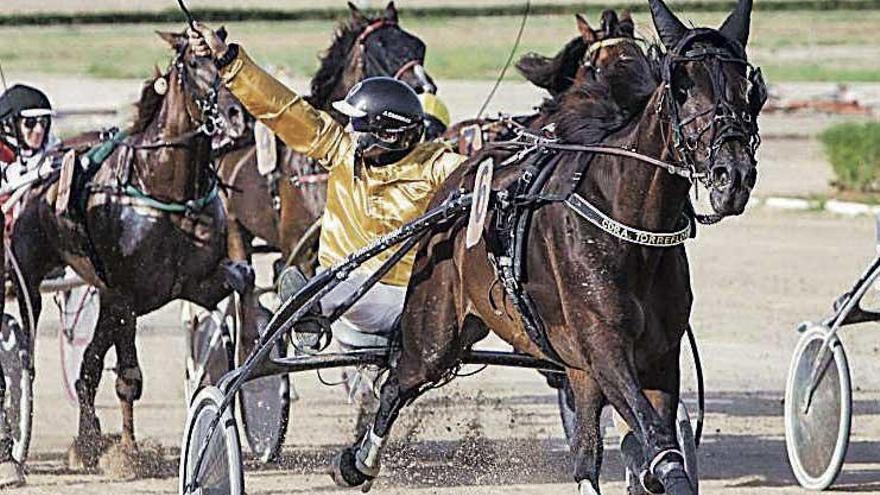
301,126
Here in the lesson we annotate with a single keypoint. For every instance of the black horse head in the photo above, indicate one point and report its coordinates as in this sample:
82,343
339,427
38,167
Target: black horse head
713,98
391,51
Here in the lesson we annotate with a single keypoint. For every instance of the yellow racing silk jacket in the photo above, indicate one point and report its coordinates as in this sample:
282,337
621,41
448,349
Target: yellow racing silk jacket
363,202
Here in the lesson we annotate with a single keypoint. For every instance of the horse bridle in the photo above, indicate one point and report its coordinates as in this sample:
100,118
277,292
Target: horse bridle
590,56
366,58
209,120
728,123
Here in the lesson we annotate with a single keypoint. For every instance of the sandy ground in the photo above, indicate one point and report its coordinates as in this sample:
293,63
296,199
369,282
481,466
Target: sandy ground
755,278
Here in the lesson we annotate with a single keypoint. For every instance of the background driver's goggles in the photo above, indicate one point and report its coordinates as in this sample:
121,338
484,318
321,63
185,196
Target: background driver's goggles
31,122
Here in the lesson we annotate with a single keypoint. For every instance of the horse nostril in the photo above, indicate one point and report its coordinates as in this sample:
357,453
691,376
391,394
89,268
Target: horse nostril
720,177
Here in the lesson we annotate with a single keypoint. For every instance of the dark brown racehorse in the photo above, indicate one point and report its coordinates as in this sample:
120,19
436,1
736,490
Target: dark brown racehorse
363,47
147,227
612,311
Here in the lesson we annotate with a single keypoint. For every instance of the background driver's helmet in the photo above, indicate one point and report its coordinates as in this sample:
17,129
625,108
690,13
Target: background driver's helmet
387,114
21,102
436,116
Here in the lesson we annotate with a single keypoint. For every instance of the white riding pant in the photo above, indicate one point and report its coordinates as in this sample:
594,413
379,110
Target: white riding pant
367,324
371,320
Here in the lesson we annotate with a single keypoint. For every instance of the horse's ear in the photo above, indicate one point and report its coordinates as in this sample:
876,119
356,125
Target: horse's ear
609,23
736,26
222,33
391,13
584,28
357,17
669,27
175,40
626,25
537,69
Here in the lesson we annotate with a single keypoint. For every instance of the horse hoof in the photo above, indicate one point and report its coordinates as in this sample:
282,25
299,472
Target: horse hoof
675,479
647,485
11,474
120,462
344,471
84,452
128,461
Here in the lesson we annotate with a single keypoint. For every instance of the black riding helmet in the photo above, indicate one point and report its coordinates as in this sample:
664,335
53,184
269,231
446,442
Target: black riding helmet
21,102
387,114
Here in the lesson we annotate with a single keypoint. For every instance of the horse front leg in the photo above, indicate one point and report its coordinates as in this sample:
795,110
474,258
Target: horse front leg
586,441
88,445
122,460
661,384
615,373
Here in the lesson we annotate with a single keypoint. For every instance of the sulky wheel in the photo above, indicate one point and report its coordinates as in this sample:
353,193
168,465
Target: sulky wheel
264,403
220,471
684,433
209,353
18,403
818,409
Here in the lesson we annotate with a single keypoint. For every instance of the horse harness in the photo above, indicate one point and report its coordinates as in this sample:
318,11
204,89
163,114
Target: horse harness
515,205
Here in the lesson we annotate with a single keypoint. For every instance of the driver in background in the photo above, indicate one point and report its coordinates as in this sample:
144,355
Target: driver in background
381,175
25,136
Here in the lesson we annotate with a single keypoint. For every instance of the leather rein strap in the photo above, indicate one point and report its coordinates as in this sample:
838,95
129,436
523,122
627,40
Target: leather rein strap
530,143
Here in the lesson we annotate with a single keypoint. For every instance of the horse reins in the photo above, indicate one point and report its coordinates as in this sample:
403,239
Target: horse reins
726,123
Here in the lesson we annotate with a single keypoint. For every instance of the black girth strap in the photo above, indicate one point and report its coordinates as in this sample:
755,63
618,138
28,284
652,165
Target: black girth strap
512,223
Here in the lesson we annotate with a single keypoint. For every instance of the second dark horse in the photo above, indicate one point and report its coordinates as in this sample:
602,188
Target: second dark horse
147,227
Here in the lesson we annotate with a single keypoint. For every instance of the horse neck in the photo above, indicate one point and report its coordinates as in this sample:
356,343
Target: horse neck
172,173
351,74
636,193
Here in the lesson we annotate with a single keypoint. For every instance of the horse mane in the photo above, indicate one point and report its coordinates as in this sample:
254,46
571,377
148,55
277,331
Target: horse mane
598,107
332,62
554,74
147,106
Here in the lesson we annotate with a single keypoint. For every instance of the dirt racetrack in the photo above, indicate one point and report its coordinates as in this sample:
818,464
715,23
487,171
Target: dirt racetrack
755,278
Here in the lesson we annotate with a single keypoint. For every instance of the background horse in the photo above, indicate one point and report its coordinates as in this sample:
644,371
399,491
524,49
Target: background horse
283,210
145,228
583,58
611,312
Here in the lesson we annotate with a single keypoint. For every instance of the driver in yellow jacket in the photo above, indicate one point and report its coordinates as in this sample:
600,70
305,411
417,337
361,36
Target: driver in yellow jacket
381,174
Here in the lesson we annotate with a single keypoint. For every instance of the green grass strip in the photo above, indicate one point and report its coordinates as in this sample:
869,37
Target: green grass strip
512,9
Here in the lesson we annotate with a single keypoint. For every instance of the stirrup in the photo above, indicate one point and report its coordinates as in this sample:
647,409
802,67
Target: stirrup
312,332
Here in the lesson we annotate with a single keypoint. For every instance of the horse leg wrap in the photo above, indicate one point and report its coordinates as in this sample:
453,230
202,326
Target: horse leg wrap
129,384
660,467
368,454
